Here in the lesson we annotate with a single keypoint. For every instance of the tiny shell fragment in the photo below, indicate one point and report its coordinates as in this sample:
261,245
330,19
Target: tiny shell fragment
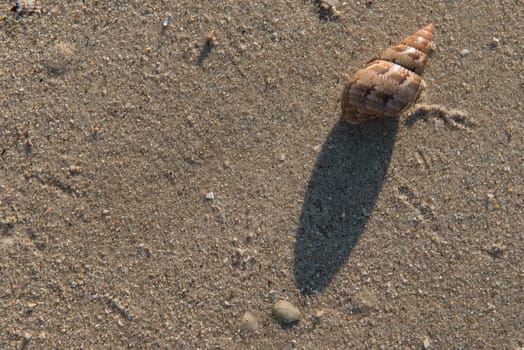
389,85
28,7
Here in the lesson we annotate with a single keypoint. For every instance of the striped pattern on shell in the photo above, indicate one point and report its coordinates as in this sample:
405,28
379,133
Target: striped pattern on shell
28,7
389,85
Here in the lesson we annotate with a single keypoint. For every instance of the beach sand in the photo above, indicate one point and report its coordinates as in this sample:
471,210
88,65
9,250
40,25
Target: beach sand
395,234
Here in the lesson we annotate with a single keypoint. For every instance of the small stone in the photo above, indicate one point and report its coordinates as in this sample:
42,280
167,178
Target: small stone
285,312
210,196
464,52
317,148
332,3
328,8
319,313
426,342
75,170
249,322
495,42
211,39
242,46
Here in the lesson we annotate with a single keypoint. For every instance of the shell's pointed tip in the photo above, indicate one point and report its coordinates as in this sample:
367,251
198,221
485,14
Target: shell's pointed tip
429,27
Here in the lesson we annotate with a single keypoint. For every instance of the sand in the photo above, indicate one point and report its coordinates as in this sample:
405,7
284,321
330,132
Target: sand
396,234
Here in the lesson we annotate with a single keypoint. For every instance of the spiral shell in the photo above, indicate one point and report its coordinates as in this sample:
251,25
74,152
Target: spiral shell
390,84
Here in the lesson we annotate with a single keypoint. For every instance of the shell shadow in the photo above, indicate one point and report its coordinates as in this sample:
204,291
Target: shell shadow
340,196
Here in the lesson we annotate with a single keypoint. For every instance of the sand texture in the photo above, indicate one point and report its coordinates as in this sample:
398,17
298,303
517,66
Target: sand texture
165,186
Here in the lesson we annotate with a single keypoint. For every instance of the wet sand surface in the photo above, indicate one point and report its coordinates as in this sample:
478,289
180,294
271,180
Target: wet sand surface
157,183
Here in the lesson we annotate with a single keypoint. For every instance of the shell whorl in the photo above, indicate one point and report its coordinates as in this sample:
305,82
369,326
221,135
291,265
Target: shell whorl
390,84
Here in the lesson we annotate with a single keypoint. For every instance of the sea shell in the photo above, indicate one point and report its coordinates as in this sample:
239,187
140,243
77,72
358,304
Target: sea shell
390,84
28,7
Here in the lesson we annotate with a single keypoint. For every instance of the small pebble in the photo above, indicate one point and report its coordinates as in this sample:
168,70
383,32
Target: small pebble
285,312
328,8
495,42
75,170
319,313
426,342
211,39
210,196
249,322
332,3
464,52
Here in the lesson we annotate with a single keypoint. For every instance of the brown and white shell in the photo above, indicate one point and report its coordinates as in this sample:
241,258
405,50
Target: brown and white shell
390,84
28,7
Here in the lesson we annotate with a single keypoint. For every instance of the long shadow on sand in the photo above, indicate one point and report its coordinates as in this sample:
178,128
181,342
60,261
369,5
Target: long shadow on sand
340,196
